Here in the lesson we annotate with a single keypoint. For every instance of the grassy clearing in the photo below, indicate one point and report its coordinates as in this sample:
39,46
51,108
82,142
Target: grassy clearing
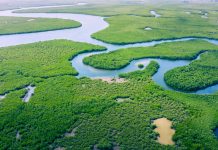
199,74
176,50
21,65
62,103
15,25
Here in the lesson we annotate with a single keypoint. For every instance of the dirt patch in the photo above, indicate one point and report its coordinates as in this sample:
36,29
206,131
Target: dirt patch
165,131
121,100
72,133
111,80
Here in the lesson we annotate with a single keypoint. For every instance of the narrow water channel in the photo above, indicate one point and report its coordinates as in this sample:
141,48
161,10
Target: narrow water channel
156,15
90,25
30,91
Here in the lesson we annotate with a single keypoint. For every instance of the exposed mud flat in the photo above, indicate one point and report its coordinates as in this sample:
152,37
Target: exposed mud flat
121,100
111,80
148,28
30,91
165,131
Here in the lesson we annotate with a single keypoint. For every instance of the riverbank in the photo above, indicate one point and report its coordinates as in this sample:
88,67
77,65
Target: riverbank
20,25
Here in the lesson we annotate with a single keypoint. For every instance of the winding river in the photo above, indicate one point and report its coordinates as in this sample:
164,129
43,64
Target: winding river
90,25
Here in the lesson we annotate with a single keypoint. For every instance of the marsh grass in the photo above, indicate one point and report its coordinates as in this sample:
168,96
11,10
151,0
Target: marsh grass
198,75
18,25
186,50
61,102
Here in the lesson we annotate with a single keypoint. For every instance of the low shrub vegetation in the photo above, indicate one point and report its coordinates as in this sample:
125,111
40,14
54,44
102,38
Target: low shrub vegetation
62,102
176,50
126,29
16,25
199,74
21,65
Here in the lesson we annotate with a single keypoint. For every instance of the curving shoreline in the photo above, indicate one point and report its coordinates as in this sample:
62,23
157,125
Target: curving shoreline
83,34
37,31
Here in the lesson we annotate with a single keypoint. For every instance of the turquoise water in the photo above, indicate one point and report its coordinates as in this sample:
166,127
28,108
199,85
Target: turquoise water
90,25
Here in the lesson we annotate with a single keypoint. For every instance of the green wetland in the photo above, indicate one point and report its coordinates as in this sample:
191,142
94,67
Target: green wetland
198,74
15,25
67,109
128,23
131,28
